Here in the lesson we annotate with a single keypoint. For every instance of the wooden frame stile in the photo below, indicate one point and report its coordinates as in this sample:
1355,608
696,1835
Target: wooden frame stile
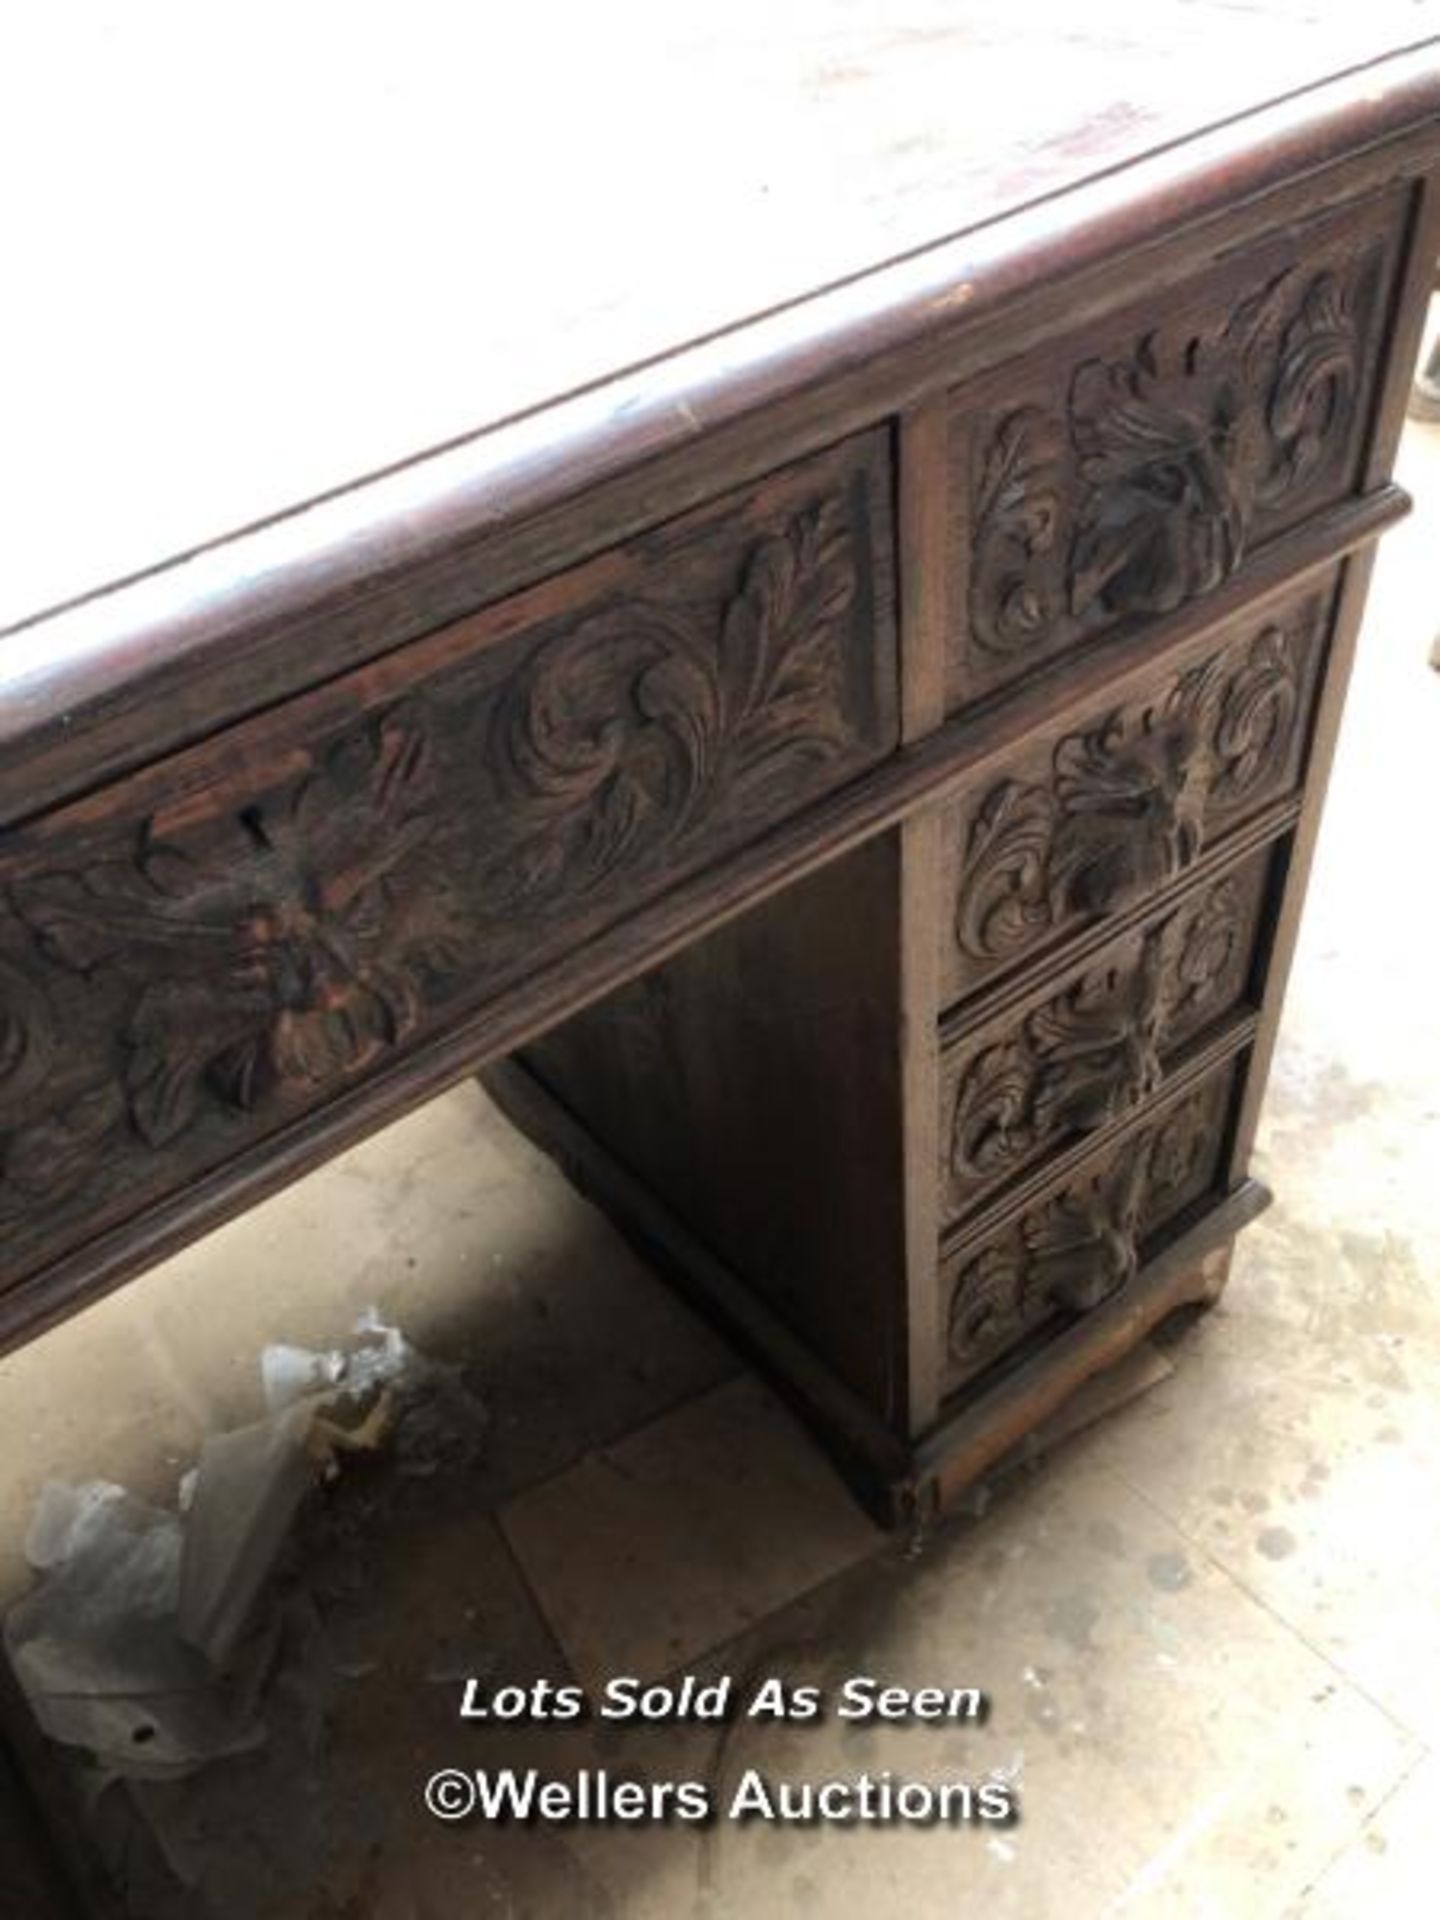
927,541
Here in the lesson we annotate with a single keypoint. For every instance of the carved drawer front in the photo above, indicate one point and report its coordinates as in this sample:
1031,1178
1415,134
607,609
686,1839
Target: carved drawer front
229,938
1087,1049
1102,808
1121,476
1086,1237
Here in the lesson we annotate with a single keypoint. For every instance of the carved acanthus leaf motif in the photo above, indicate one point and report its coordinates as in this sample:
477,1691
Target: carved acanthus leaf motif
1080,1060
1082,1244
1067,1254
1181,1142
1208,940
284,948
1313,394
263,954
1131,801
1019,586
1255,714
986,1313
1098,1047
1162,508
1142,492
1126,808
625,729
1004,898
44,1161
27,1039
992,1123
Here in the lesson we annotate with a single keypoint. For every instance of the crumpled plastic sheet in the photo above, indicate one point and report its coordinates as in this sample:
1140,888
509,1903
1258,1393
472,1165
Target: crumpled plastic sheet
147,1637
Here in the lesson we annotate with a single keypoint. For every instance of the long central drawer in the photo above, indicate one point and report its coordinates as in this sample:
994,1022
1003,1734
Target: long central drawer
221,943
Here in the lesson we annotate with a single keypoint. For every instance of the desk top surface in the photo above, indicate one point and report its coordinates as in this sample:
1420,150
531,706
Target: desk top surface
263,252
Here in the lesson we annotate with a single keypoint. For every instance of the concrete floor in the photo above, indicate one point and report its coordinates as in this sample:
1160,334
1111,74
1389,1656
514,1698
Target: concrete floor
1209,1625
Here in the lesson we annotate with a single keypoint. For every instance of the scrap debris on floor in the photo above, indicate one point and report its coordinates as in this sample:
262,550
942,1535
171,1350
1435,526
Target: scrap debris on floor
195,1661
157,1641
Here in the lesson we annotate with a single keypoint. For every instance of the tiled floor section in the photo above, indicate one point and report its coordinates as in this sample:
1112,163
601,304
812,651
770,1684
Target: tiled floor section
732,1477
1210,1625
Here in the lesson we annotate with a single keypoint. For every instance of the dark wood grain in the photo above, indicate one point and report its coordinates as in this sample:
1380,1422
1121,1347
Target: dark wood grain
199,955
902,1485
867,760
962,751
990,1424
1140,469
753,1085
926,527
1085,1237
1118,803
869,1451
1080,1053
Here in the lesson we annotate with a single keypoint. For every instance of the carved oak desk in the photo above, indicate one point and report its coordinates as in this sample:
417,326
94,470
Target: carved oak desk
860,767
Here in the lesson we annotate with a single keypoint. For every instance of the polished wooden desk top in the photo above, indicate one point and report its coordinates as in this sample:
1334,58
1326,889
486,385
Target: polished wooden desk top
264,252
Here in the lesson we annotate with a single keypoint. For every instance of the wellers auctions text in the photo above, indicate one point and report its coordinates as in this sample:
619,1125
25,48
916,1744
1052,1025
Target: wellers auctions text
595,1797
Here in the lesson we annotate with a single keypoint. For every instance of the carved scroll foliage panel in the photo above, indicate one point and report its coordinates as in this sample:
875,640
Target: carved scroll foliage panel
1135,474
226,941
1087,1238
1091,1047
1092,817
